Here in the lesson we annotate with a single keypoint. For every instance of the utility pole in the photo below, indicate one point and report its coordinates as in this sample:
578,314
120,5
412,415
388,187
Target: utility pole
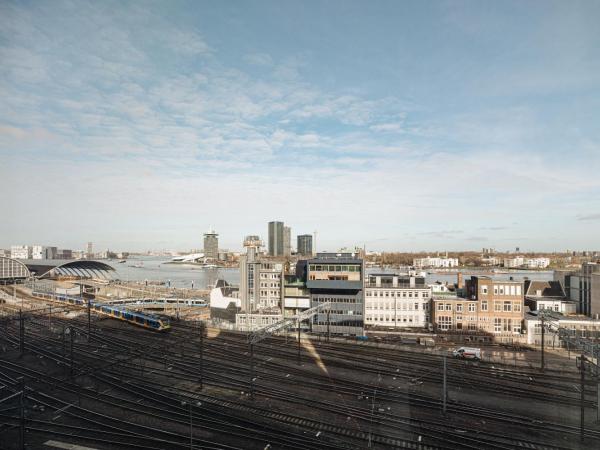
201,354
64,351
21,333
445,387
89,312
252,371
543,339
22,415
328,324
582,425
299,357
71,335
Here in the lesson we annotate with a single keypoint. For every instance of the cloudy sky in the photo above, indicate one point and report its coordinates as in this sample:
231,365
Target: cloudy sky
397,125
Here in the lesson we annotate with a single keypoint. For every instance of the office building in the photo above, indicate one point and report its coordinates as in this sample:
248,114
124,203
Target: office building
305,245
287,242
583,287
276,238
90,251
21,252
261,288
211,245
336,278
393,300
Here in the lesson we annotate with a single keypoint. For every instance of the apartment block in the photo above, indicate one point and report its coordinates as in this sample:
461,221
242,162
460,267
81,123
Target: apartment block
491,307
436,262
393,300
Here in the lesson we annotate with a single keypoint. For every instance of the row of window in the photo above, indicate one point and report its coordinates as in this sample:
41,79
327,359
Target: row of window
403,294
404,319
270,276
333,268
499,306
503,289
408,306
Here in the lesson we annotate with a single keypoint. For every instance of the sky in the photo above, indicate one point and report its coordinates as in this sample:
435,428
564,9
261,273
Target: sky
397,125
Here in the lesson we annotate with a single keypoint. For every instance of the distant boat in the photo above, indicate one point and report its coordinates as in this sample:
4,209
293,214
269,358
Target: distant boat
138,265
122,261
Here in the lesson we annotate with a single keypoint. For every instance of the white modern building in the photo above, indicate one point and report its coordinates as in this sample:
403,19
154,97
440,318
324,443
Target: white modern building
21,252
436,262
537,263
581,326
393,300
515,262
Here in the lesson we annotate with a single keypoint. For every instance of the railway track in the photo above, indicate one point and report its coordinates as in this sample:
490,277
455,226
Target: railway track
226,369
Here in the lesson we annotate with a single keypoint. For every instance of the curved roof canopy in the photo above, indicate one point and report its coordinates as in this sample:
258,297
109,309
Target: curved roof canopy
12,269
82,268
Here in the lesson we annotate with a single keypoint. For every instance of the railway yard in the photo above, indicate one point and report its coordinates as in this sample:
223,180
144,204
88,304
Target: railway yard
115,385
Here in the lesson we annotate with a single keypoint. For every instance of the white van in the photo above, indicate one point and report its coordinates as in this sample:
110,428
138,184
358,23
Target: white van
467,353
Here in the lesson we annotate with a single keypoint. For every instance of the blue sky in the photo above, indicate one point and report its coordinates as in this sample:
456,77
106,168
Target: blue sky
397,125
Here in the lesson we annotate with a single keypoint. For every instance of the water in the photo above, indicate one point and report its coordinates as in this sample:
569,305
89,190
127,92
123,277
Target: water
155,269
182,276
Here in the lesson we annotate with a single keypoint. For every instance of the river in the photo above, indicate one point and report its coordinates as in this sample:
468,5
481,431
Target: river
155,269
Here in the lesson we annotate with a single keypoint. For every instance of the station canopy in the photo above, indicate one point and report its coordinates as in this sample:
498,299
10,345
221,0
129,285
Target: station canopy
81,268
12,269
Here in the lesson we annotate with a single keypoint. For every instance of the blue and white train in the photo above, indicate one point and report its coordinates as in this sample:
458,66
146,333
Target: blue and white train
145,320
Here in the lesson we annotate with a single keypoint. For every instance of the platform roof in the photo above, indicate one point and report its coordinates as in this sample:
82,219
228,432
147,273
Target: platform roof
13,269
84,268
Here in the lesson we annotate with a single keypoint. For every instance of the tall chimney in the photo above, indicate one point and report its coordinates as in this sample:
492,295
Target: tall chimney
459,280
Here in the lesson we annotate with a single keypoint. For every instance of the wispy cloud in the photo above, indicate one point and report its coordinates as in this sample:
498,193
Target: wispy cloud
589,217
162,107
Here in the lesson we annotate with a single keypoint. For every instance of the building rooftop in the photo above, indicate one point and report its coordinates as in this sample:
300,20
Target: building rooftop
546,288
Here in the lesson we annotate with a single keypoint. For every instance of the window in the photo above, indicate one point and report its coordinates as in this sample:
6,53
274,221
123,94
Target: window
440,307
518,289
506,325
484,289
472,307
507,307
448,306
497,306
517,307
517,328
459,307
495,290
484,305
416,306
497,325
472,326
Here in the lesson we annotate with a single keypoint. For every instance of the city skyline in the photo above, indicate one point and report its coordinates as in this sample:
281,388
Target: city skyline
399,126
